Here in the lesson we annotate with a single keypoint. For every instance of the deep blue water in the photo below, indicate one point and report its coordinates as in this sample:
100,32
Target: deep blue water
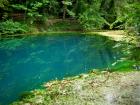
27,63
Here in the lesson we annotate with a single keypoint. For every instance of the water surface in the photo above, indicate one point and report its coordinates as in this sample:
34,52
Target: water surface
27,63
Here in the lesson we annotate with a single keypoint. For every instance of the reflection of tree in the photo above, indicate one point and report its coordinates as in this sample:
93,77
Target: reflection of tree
109,53
102,56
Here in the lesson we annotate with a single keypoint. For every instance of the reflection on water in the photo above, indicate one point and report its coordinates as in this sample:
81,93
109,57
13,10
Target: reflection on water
26,63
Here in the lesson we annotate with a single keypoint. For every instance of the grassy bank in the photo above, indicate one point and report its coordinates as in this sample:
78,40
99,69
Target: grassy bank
94,88
10,28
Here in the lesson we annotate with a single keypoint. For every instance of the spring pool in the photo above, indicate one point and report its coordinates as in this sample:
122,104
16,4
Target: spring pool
27,63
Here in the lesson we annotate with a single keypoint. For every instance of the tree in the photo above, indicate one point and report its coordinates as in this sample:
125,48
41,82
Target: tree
65,9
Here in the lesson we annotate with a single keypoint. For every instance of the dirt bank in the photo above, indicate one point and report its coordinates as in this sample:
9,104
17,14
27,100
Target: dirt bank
114,34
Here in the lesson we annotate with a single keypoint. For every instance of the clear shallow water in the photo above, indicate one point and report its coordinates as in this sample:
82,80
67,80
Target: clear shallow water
27,63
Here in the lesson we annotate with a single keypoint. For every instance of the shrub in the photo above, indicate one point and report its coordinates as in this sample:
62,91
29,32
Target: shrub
133,21
91,19
10,27
91,22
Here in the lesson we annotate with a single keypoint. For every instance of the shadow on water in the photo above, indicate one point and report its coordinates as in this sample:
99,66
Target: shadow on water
26,63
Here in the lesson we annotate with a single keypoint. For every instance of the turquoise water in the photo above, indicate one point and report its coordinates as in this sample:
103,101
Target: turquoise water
27,63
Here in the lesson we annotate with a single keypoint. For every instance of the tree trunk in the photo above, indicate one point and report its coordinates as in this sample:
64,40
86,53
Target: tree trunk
64,12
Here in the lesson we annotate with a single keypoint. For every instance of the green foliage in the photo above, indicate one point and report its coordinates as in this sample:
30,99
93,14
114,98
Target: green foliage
10,27
65,8
134,54
123,65
67,2
51,7
19,7
92,14
132,26
90,22
133,19
3,3
32,12
70,13
91,19
64,26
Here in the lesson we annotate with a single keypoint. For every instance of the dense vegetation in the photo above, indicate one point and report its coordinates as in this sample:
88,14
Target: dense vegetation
90,14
